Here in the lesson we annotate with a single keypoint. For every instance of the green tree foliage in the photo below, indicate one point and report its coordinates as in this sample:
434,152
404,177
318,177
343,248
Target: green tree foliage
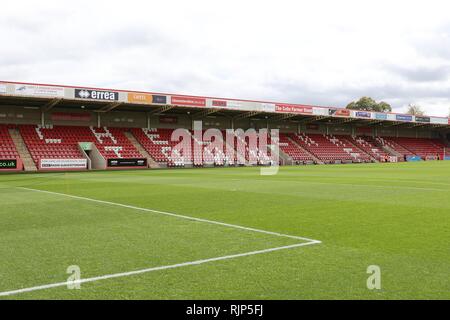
369,104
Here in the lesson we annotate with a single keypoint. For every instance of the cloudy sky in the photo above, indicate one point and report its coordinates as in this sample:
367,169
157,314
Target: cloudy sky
314,52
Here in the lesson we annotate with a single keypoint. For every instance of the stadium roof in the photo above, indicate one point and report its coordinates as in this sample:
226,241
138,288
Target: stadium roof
48,96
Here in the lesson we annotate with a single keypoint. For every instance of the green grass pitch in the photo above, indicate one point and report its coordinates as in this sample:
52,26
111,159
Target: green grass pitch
395,216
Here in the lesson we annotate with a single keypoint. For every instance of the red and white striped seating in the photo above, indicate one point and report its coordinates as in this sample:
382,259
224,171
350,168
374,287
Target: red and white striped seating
421,147
61,142
8,150
293,150
324,147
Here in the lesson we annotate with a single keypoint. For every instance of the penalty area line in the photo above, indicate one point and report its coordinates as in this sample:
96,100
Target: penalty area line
173,215
148,270
167,267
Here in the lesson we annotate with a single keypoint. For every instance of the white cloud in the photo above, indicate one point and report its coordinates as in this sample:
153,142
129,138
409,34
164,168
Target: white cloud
316,52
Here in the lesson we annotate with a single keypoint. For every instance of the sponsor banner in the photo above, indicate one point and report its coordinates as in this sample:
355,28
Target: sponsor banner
331,112
269,107
393,159
140,98
96,94
66,116
447,158
63,164
423,119
238,106
321,111
342,113
159,99
39,91
219,103
381,116
403,117
8,164
391,116
439,120
145,98
168,119
339,112
2,88
188,101
363,114
244,105
127,162
413,159
292,108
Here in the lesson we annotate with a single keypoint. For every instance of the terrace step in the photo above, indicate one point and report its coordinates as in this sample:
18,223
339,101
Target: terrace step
317,160
152,163
390,151
286,159
22,149
354,145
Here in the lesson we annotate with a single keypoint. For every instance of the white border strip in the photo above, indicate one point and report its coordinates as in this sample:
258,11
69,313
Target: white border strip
179,265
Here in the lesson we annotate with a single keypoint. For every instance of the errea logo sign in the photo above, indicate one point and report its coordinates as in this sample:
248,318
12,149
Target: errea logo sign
96,94
84,94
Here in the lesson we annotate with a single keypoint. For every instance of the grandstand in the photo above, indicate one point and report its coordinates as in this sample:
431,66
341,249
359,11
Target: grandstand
48,127
211,233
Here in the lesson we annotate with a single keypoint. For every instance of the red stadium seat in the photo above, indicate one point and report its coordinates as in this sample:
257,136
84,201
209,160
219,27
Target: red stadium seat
61,142
7,148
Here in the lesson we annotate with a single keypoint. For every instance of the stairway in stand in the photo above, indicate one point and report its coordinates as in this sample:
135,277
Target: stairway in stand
317,160
152,163
22,149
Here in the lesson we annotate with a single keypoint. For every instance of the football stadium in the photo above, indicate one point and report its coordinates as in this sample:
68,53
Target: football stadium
116,194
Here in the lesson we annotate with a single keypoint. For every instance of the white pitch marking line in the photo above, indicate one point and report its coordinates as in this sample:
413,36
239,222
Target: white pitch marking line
131,273
185,264
174,215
